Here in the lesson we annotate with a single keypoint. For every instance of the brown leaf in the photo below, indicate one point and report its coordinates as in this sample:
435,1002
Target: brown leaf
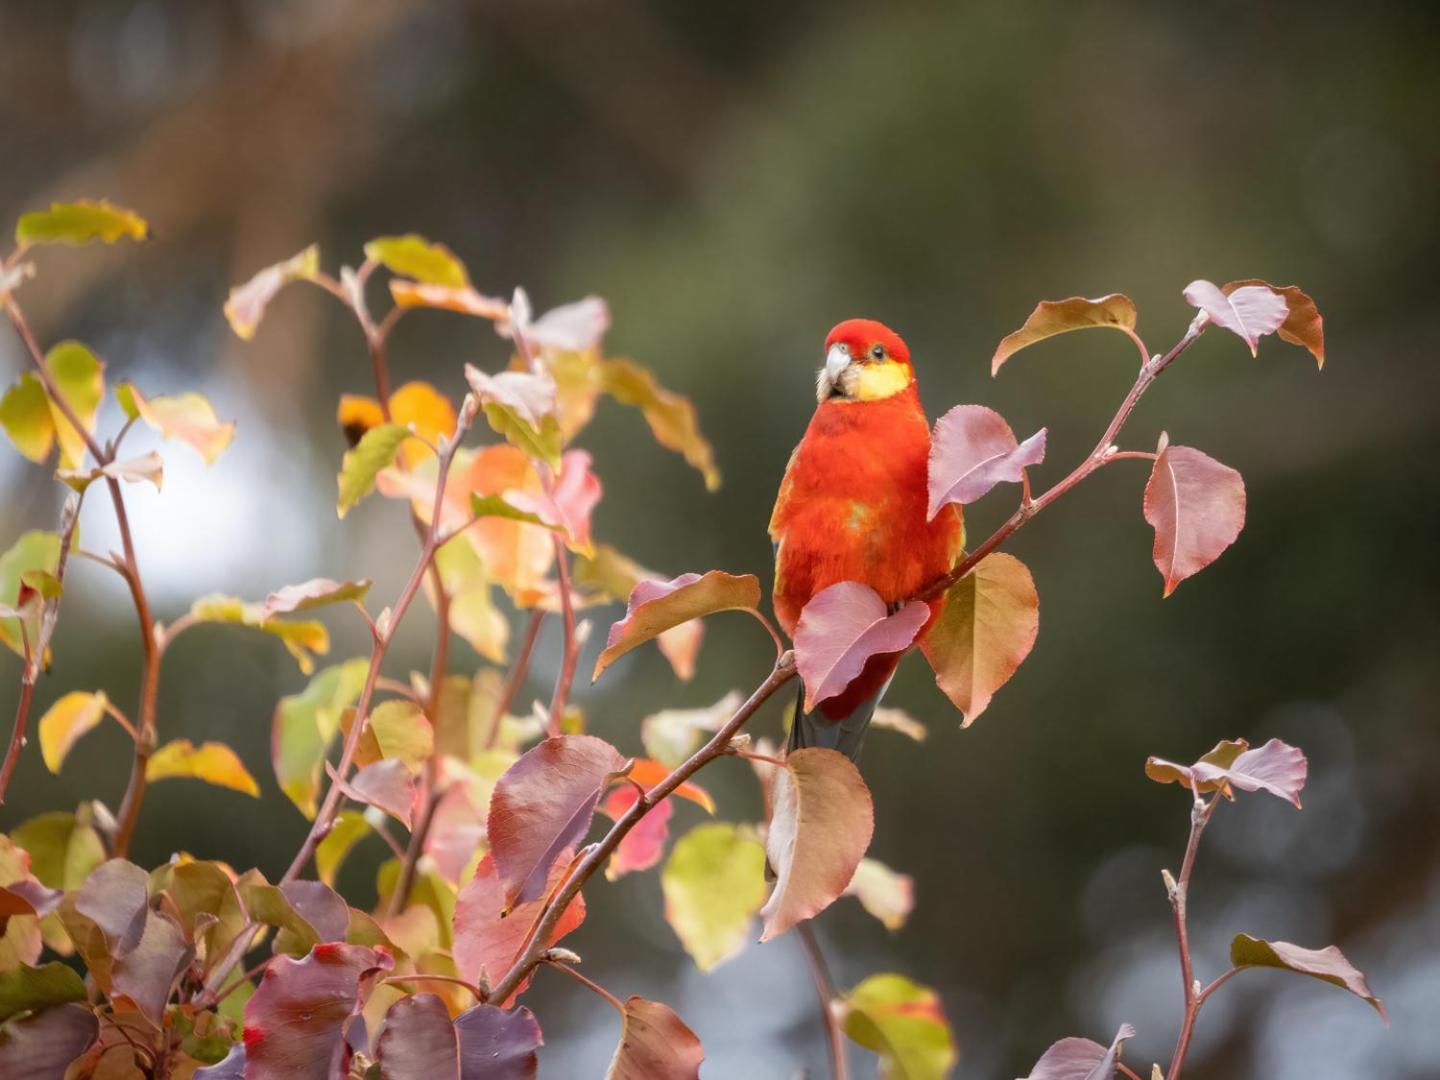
655,1045
1303,324
1196,507
1249,312
1052,317
1327,964
657,606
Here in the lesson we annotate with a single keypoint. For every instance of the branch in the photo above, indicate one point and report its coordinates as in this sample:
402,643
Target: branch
516,678
825,990
1200,814
589,984
783,672
570,654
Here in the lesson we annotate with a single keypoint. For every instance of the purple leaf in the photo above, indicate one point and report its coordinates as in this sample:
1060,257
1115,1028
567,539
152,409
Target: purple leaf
116,897
844,626
147,972
386,785
418,1041
42,1045
496,1044
1196,507
973,449
320,906
26,897
1276,767
1250,312
1081,1059
1327,964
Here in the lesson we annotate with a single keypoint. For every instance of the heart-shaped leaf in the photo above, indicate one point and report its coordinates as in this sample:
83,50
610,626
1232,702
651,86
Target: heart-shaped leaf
1196,507
972,450
1052,317
841,628
1249,311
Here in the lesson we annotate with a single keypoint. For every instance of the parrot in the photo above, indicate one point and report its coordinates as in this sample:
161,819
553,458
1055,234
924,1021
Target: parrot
852,506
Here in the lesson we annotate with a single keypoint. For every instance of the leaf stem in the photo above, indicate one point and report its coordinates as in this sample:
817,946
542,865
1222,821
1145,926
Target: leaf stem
780,674
454,980
591,984
825,990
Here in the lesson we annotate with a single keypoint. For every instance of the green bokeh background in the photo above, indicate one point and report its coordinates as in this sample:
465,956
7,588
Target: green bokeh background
734,179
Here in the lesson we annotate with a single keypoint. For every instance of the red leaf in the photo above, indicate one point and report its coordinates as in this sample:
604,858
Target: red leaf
1250,312
1081,1059
542,805
820,827
43,1044
1303,325
294,1025
497,1045
655,1045
656,606
386,785
645,843
973,449
487,940
844,626
1197,508
418,1041
1276,767
647,773
1328,964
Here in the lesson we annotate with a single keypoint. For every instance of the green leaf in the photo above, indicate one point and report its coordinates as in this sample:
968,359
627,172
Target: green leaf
671,417
1327,964
79,223
714,884
25,988
412,256
35,550
246,305
903,1022
349,829
398,730
25,416
304,725
496,506
63,848
376,450
542,442
80,377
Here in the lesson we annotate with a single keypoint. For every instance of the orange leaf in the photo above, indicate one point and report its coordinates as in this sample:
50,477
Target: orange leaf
648,773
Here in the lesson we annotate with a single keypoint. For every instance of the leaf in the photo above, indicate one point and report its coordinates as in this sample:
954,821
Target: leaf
1196,507
412,256
145,976
569,504
26,896
350,827
1249,312
115,897
375,450
656,606
34,550
247,303
487,940
232,1066
543,805
213,762
841,628
395,729
25,416
66,721
427,412
1081,1059
43,1044
80,222
80,377
466,301
149,467
1051,317
496,1044
643,845
901,721
649,773
820,826
317,592
655,1044
573,327
986,630
672,735
1327,964
1276,767
1303,325
714,884
305,723
671,417
973,449
188,417
301,638
904,1023
888,896
386,785
25,988
418,1041
521,407
295,1023
63,848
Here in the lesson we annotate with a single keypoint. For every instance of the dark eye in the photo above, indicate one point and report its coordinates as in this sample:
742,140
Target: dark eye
878,352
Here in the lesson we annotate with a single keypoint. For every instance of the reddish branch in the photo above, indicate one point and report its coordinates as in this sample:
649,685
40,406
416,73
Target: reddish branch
825,991
1179,891
570,654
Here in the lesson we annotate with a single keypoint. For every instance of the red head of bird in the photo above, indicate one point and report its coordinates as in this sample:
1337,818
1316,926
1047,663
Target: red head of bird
864,361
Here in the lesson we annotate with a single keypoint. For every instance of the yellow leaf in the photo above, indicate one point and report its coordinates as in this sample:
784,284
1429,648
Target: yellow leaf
246,306
428,412
671,417
903,1022
79,223
25,416
213,762
188,417
888,896
80,378
412,256
466,301
66,721
714,883
394,729
356,415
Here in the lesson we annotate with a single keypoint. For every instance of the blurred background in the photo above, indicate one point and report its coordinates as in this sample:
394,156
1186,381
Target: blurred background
734,179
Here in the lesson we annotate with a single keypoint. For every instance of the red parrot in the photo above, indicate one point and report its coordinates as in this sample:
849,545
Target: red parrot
852,507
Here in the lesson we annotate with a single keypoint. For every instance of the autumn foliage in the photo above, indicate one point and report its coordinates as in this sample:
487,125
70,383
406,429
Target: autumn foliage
505,813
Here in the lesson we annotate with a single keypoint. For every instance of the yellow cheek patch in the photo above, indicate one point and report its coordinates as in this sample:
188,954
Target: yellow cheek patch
882,380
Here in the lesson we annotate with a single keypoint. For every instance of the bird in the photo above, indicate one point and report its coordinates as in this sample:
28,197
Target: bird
852,506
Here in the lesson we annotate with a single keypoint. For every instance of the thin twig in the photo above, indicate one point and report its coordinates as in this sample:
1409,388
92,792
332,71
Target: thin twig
825,991
1200,814
454,980
570,654
518,670
590,984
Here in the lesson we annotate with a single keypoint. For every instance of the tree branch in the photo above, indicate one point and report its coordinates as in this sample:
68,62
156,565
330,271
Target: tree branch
1179,890
825,990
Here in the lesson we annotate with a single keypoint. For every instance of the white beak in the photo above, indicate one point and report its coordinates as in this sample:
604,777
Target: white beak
836,361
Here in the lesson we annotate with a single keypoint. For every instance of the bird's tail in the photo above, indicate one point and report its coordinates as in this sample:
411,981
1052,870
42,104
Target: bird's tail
845,734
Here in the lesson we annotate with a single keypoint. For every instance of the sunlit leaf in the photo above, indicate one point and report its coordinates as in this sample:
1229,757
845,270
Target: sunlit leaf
514,555
904,1023
188,417
25,416
395,729
574,327
655,1044
495,506
317,592
644,844
357,414
1327,964
412,256
66,721
1075,1058
1052,317
246,306
387,785
301,637
973,449
521,407
12,277
543,805
672,735
473,612
149,466
425,411
714,885
1249,311
466,301
1303,324
1276,767
497,1045
305,723
44,1043
213,762
656,606
888,896
681,646
841,628
649,773
80,377
569,503
80,222
671,417
375,450
986,630
34,550
899,720
820,825
349,828
1196,507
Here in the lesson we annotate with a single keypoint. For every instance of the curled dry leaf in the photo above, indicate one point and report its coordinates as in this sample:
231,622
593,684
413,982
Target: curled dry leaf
542,806
841,628
655,1044
985,632
820,827
246,305
1248,311
657,606
903,1022
1052,317
714,885
1303,324
1327,964
1196,507
972,450
1081,1059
